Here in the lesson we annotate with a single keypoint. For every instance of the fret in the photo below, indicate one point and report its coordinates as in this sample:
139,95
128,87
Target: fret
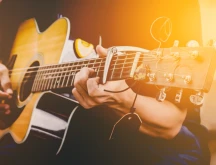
73,77
60,75
64,75
92,65
44,77
113,69
72,73
39,80
69,73
120,69
79,65
99,67
34,87
125,59
50,77
89,64
84,64
56,77
52,81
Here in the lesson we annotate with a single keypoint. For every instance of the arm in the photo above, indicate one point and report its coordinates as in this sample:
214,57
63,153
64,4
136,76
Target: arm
160,119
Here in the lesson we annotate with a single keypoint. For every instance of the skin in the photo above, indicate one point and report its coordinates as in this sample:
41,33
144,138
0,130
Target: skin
6,91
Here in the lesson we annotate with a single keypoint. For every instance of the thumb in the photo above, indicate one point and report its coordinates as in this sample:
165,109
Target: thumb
102,52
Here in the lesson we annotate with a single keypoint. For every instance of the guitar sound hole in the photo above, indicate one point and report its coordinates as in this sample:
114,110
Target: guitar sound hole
28,81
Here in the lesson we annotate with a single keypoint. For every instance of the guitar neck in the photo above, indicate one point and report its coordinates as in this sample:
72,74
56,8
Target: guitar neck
63,75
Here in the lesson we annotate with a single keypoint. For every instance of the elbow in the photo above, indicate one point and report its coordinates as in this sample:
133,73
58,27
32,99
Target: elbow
171,132
171,129
167,133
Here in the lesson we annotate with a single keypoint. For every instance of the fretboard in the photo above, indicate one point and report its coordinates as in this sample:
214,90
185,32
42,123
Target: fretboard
63,75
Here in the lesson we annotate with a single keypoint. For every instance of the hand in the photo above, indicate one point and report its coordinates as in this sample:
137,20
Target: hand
6,91
89,93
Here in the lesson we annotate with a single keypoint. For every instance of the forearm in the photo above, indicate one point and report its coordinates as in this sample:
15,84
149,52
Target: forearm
159,119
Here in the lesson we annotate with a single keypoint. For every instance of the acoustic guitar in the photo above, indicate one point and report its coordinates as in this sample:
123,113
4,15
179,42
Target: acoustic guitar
37,71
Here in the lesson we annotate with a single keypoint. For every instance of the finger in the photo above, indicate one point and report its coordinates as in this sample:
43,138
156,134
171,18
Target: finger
82,77
6,84
5,108
97,93
4,95
93,87
101,51
86,102
5,80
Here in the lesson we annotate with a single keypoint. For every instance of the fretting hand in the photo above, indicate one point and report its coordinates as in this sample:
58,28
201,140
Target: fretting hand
89,93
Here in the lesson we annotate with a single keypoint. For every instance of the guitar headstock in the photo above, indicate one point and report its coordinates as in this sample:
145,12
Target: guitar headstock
179,67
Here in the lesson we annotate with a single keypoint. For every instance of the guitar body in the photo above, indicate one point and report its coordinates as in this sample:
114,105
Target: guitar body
37,113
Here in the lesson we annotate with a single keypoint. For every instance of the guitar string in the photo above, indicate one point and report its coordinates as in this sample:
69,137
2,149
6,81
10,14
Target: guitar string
77,61
85,60
58,66
69,71
95,67
69,66
77,69
115,77
151,54
43,69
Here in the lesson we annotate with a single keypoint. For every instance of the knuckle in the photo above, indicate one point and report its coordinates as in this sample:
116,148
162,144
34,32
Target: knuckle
73,91
90,104
86,106
91,93
75,83
6,83
3,69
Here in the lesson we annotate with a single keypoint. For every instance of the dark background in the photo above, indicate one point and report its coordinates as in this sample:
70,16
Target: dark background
119,22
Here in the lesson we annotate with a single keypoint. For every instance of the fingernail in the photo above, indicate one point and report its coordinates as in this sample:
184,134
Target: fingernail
7,112
9,91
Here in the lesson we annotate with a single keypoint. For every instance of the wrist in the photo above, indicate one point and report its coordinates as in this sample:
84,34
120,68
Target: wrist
124,100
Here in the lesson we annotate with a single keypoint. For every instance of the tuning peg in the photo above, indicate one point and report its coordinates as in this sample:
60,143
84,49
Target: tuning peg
169,77
212,42
192,44
178,96
176,43
198,98
161,96
187,79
